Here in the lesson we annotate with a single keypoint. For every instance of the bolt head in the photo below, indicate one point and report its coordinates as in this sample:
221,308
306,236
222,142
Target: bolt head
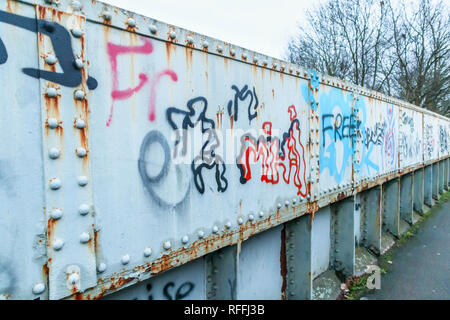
55,184
50,60
84,209
80,124
153,29
58,244
131,22
233,52
77,33
167,245
190,40
240,221
53,153
101,267
219,49
125,259
185,240
147,252
53,123
79,95
79,64
228,225
107,15
38,288
261,214
215,229
172,35
201,234
52,93
56,214
74,278
82,181
205,44
81,152
85,237
251,217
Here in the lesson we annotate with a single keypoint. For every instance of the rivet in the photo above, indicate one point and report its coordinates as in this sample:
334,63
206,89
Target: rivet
185,240
190,40
251,217
77,33
101,267
261,214
56,214
228,225
82,181
85,237
286,203
265,63
80,124
233,52
79,64
167,245
38,288
205,44
279,205
53,123
255,59
125,259
84,209
107,15
74,278
51,92
244,56
131,22
219,49
53,153
240,221
49,1
58,244
172,35
76,5
147,252
50,60
153,29
201,234
81,152
55,184
79,95
215,229
275,65
294,201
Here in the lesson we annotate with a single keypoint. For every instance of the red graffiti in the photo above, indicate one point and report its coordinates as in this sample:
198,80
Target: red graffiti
290,156
114,51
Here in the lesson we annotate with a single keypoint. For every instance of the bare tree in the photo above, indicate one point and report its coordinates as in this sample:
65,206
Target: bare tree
399,50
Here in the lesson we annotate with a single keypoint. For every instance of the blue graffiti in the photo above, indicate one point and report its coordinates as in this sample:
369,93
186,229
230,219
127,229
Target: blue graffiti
311,89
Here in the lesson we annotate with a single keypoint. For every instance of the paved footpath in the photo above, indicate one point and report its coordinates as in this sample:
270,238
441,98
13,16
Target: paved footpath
421,266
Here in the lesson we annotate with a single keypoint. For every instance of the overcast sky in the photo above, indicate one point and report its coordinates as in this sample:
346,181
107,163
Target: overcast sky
264,26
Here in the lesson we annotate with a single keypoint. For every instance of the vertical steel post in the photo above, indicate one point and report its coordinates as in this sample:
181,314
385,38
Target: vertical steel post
419,190
406,197
435,189
342,254
299,259
428,185
391,207
221,270
442,171
446,174
371,212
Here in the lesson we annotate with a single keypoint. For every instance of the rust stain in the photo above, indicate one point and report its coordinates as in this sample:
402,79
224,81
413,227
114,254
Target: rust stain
12,8
189,56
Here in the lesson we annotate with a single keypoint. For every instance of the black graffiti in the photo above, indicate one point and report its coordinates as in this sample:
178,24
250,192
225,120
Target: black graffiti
207,159
182,292
242,95
443,139
375,135
151,181
343,127
62,44
408,121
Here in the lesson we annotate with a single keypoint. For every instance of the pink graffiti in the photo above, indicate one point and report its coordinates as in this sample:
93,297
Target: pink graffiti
114,51
152,108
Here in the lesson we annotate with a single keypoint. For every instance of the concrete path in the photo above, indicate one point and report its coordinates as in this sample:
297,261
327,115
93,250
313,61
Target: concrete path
421,266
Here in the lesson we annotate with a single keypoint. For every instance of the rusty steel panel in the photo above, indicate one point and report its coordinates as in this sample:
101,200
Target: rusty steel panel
131,147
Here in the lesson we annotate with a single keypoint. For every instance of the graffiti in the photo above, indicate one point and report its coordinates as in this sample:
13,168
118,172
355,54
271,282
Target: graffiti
113,51
374,135
409,139
342,126
207,159
62,44
170,293
429,141
242,95
152,181
443,140
389,140
289,155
